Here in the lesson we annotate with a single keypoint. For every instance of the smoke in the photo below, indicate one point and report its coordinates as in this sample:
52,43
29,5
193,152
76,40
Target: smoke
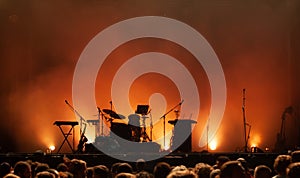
42,41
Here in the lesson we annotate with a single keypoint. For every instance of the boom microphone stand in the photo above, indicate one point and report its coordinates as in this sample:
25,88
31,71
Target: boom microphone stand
164,120
82,120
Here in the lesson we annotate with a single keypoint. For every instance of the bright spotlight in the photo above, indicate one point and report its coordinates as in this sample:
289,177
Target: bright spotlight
213,145
52,147
166,148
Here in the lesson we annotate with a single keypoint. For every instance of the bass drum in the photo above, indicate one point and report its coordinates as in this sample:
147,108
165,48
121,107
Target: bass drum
120,129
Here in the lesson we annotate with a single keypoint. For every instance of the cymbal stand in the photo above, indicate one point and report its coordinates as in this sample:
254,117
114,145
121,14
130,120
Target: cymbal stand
151,125
164,120
102,116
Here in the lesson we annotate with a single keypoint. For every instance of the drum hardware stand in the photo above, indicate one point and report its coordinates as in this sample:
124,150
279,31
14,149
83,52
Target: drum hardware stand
164,120
102,116
144,135
143,110
151,125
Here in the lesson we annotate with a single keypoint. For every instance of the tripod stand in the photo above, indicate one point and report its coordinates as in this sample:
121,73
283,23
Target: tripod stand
143,110
144,135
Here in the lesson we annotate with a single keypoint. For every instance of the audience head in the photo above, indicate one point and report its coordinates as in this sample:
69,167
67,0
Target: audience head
262,171
44,174
78,168
124,167
62,167
114,169
54,172
203,170
232,169
125,175
90,172
281,163
220,161
215,173
295,156
101,171
293,170
182,173
144,174
5,168
22,169
161,170
140,165
11,175
40,167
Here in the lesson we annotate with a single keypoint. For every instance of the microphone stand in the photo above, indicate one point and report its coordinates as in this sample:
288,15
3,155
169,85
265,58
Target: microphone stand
245,123
82,120
164,120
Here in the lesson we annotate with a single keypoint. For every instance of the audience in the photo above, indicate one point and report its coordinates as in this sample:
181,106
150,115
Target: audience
284,166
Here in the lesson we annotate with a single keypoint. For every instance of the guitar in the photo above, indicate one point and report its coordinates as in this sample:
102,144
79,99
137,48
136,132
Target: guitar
82,141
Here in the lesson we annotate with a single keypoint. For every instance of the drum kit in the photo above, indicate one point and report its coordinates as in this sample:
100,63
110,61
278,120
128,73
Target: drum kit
134,131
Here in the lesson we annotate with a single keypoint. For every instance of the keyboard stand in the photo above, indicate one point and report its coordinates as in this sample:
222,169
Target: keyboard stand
67,134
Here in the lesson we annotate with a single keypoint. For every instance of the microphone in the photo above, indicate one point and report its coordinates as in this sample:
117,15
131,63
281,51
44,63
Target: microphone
110,102
66,102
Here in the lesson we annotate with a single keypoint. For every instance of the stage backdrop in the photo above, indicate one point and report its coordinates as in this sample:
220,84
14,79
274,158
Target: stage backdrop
219,62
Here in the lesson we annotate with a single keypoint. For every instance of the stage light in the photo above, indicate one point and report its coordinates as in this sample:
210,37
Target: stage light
213,145
51,148
167,147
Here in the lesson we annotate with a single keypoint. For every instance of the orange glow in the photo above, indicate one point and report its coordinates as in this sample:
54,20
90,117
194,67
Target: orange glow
213,145
255,141
37,70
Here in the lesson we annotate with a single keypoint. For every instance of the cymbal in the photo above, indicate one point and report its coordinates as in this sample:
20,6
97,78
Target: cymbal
108,111
117,116
113,114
